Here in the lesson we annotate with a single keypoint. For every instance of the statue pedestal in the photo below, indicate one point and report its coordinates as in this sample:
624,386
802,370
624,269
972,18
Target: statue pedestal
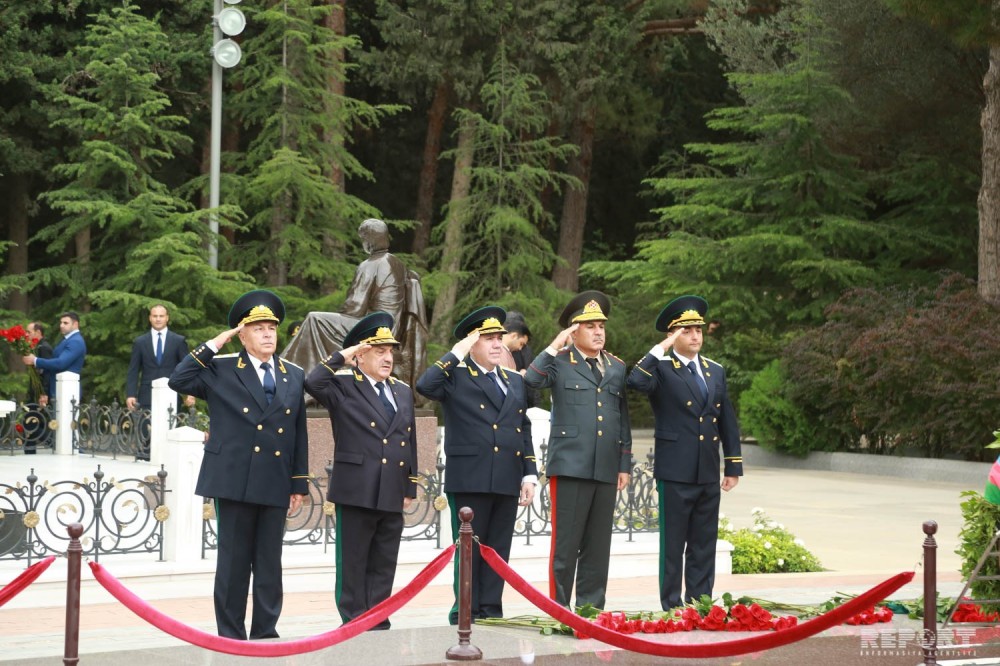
321,442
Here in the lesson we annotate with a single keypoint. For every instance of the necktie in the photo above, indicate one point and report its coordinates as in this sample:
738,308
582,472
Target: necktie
592,362
269,387
692,366
389,409
496,385
159,348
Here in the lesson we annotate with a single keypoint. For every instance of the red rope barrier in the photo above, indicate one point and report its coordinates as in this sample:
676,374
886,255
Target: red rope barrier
208,641
24,579
721,649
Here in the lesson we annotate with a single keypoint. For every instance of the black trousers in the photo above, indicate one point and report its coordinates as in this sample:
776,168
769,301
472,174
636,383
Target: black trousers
493,523
689,528
366,552
250,538
582,513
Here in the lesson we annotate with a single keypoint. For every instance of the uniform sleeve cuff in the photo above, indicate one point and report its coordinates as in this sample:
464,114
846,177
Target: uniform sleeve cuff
530,478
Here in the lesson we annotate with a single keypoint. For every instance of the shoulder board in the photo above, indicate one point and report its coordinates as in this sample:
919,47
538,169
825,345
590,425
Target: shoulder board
461,364
614,357
711,361
513,370
221,356
393,380
344,371
294,365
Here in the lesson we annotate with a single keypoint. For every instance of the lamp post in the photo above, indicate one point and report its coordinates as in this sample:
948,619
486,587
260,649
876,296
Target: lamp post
226,22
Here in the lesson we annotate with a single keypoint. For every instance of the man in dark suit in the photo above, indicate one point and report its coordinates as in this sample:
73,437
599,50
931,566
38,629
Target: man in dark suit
374,461
68,356
590,448
40,432
693,416
256,458
490,462
154,355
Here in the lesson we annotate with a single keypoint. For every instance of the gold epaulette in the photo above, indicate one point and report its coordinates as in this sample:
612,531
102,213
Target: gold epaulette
393,380
614,357
342,371
287,362
711,361
221,356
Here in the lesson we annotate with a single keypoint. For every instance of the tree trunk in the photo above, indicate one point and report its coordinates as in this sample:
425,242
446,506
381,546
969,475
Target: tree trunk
428,169
989,190
574,213
15,200
451,258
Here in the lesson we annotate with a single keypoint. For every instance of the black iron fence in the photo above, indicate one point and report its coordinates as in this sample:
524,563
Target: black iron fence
30,428
119,516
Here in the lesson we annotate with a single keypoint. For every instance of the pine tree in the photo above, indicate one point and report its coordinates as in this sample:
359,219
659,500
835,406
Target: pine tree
145,241
291,198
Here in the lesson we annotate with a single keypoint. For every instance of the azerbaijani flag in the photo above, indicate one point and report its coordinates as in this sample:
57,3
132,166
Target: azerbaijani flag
993,485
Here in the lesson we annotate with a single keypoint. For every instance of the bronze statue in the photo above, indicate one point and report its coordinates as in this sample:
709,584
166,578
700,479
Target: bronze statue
381,282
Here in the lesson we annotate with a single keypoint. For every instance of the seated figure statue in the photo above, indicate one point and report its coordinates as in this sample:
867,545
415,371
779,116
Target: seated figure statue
381,282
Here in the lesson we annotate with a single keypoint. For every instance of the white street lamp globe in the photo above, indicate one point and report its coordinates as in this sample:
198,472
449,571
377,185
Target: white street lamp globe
231,21
227,53
232,2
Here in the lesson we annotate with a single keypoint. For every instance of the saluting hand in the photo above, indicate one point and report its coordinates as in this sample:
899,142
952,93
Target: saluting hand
464,346
354,351
222,338
669,341
563,337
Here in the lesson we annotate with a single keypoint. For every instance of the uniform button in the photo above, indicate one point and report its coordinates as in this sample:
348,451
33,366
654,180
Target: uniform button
689,403
281,430
518,454
256,449
384,461
701,419
520,411
288,411
401,463
600,418
562,432
496,449
494,426
260,427
403,443
715,439
482,406
718,404
407,428
576,386
518,429
701,437
373,424
246,409
599,404
598,390
714,420
277,454
600,433
385,441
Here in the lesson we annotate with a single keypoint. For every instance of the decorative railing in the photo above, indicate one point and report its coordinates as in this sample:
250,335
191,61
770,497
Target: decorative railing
30,428
119,516
110,430
315,522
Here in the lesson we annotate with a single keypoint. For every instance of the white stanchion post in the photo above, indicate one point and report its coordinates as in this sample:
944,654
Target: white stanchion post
163,399
67,391
182,531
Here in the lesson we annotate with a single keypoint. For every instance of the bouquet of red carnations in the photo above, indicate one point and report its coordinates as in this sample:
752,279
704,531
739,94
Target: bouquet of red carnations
22,344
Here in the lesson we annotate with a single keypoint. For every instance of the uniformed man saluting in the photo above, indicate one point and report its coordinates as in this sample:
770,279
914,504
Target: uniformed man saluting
490,462
374,461
256,458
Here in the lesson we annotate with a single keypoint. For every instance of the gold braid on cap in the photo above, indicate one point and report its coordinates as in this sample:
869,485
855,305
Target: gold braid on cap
259,313
383,336
490,324
687,318
591,312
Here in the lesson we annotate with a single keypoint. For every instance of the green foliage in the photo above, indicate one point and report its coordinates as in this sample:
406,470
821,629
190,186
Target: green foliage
506,257
981,520
301,219
896,370
766,547
768,414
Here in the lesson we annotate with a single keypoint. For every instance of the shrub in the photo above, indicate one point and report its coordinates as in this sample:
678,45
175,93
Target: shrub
766,547
767,413
981,520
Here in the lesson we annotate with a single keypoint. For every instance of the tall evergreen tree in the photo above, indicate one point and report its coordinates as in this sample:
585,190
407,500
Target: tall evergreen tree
145,240
300,136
